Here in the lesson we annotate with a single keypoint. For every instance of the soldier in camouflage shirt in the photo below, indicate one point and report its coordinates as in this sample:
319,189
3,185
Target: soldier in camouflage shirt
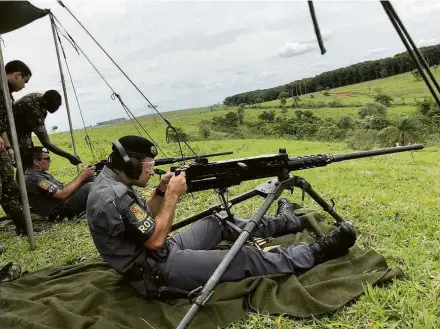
30,114
18,74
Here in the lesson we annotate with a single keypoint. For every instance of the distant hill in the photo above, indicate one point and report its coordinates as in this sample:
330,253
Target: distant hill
356,73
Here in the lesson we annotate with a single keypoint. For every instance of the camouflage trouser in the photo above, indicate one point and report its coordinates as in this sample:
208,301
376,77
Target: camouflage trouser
10,197
11,272
25,144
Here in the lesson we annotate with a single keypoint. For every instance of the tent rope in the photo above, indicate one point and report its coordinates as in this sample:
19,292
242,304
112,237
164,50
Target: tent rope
87,137
114,95
179,137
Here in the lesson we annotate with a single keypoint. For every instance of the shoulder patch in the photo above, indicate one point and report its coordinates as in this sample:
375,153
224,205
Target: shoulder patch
44,184
137,211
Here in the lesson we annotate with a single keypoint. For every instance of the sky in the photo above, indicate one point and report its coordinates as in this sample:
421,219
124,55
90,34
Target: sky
185,54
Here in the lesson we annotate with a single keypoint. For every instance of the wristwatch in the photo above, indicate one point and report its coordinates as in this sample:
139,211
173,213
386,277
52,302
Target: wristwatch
159,192
9,148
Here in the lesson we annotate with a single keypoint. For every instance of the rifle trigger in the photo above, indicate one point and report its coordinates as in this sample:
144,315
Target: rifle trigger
303,195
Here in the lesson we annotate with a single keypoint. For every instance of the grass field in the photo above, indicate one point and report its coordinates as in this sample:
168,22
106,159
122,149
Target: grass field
392,200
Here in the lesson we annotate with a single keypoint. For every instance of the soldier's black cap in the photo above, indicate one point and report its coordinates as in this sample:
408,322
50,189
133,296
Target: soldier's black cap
137,146
37,150
33,153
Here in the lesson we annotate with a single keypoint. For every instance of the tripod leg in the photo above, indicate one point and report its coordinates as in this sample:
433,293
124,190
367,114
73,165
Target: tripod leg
273,191
306,187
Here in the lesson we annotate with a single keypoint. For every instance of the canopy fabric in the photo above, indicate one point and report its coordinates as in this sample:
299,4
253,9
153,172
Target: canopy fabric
16,14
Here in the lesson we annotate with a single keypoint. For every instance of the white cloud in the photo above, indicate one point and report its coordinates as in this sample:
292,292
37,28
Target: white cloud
291,49
376,50
427,42
266,74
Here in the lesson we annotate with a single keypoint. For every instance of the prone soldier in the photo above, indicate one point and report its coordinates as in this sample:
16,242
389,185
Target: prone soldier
18,74
30,113
50,198
132,236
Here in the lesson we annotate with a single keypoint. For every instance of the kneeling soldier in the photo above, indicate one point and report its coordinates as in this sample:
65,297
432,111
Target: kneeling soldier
132,236
50,198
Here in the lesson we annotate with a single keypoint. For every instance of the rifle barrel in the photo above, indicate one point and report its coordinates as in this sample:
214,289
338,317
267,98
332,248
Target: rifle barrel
363,154
322,160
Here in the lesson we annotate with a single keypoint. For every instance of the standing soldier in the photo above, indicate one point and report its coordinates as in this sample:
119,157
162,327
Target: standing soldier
18,74
30,114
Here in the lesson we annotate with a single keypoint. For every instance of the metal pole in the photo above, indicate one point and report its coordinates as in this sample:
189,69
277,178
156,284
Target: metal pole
273,190
64,88
411,52
417,51
24,197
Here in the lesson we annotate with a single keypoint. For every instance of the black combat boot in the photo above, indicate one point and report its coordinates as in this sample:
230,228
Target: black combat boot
285,220
334,244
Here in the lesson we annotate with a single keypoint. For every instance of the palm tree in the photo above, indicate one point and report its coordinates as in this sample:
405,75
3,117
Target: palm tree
240,113
402,131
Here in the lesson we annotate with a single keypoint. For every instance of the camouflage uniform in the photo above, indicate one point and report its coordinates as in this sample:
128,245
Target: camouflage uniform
28,115
10,196
11,272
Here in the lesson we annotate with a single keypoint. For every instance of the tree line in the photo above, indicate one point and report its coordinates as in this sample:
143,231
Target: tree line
360,72
371,126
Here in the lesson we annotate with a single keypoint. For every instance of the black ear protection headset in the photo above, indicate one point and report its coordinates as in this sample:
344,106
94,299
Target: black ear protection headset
132,166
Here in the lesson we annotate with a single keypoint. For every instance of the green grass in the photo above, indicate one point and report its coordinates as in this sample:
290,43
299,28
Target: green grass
398,86
190,122
392,200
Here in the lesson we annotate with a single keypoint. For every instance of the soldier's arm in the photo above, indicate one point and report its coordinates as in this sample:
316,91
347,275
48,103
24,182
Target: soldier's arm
4,143
6,140
67,191
164,219
43,137
155,201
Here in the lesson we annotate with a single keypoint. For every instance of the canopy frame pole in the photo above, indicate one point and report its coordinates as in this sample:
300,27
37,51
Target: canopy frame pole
63,82
21,182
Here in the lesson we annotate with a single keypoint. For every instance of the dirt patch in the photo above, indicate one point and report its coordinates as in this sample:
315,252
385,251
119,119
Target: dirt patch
343,94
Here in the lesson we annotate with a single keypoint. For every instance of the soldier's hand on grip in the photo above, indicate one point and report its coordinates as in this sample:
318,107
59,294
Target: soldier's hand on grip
177,184
12,156
164,181
88,172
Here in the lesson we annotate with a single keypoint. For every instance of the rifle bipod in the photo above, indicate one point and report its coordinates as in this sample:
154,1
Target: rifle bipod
271,191
227,218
